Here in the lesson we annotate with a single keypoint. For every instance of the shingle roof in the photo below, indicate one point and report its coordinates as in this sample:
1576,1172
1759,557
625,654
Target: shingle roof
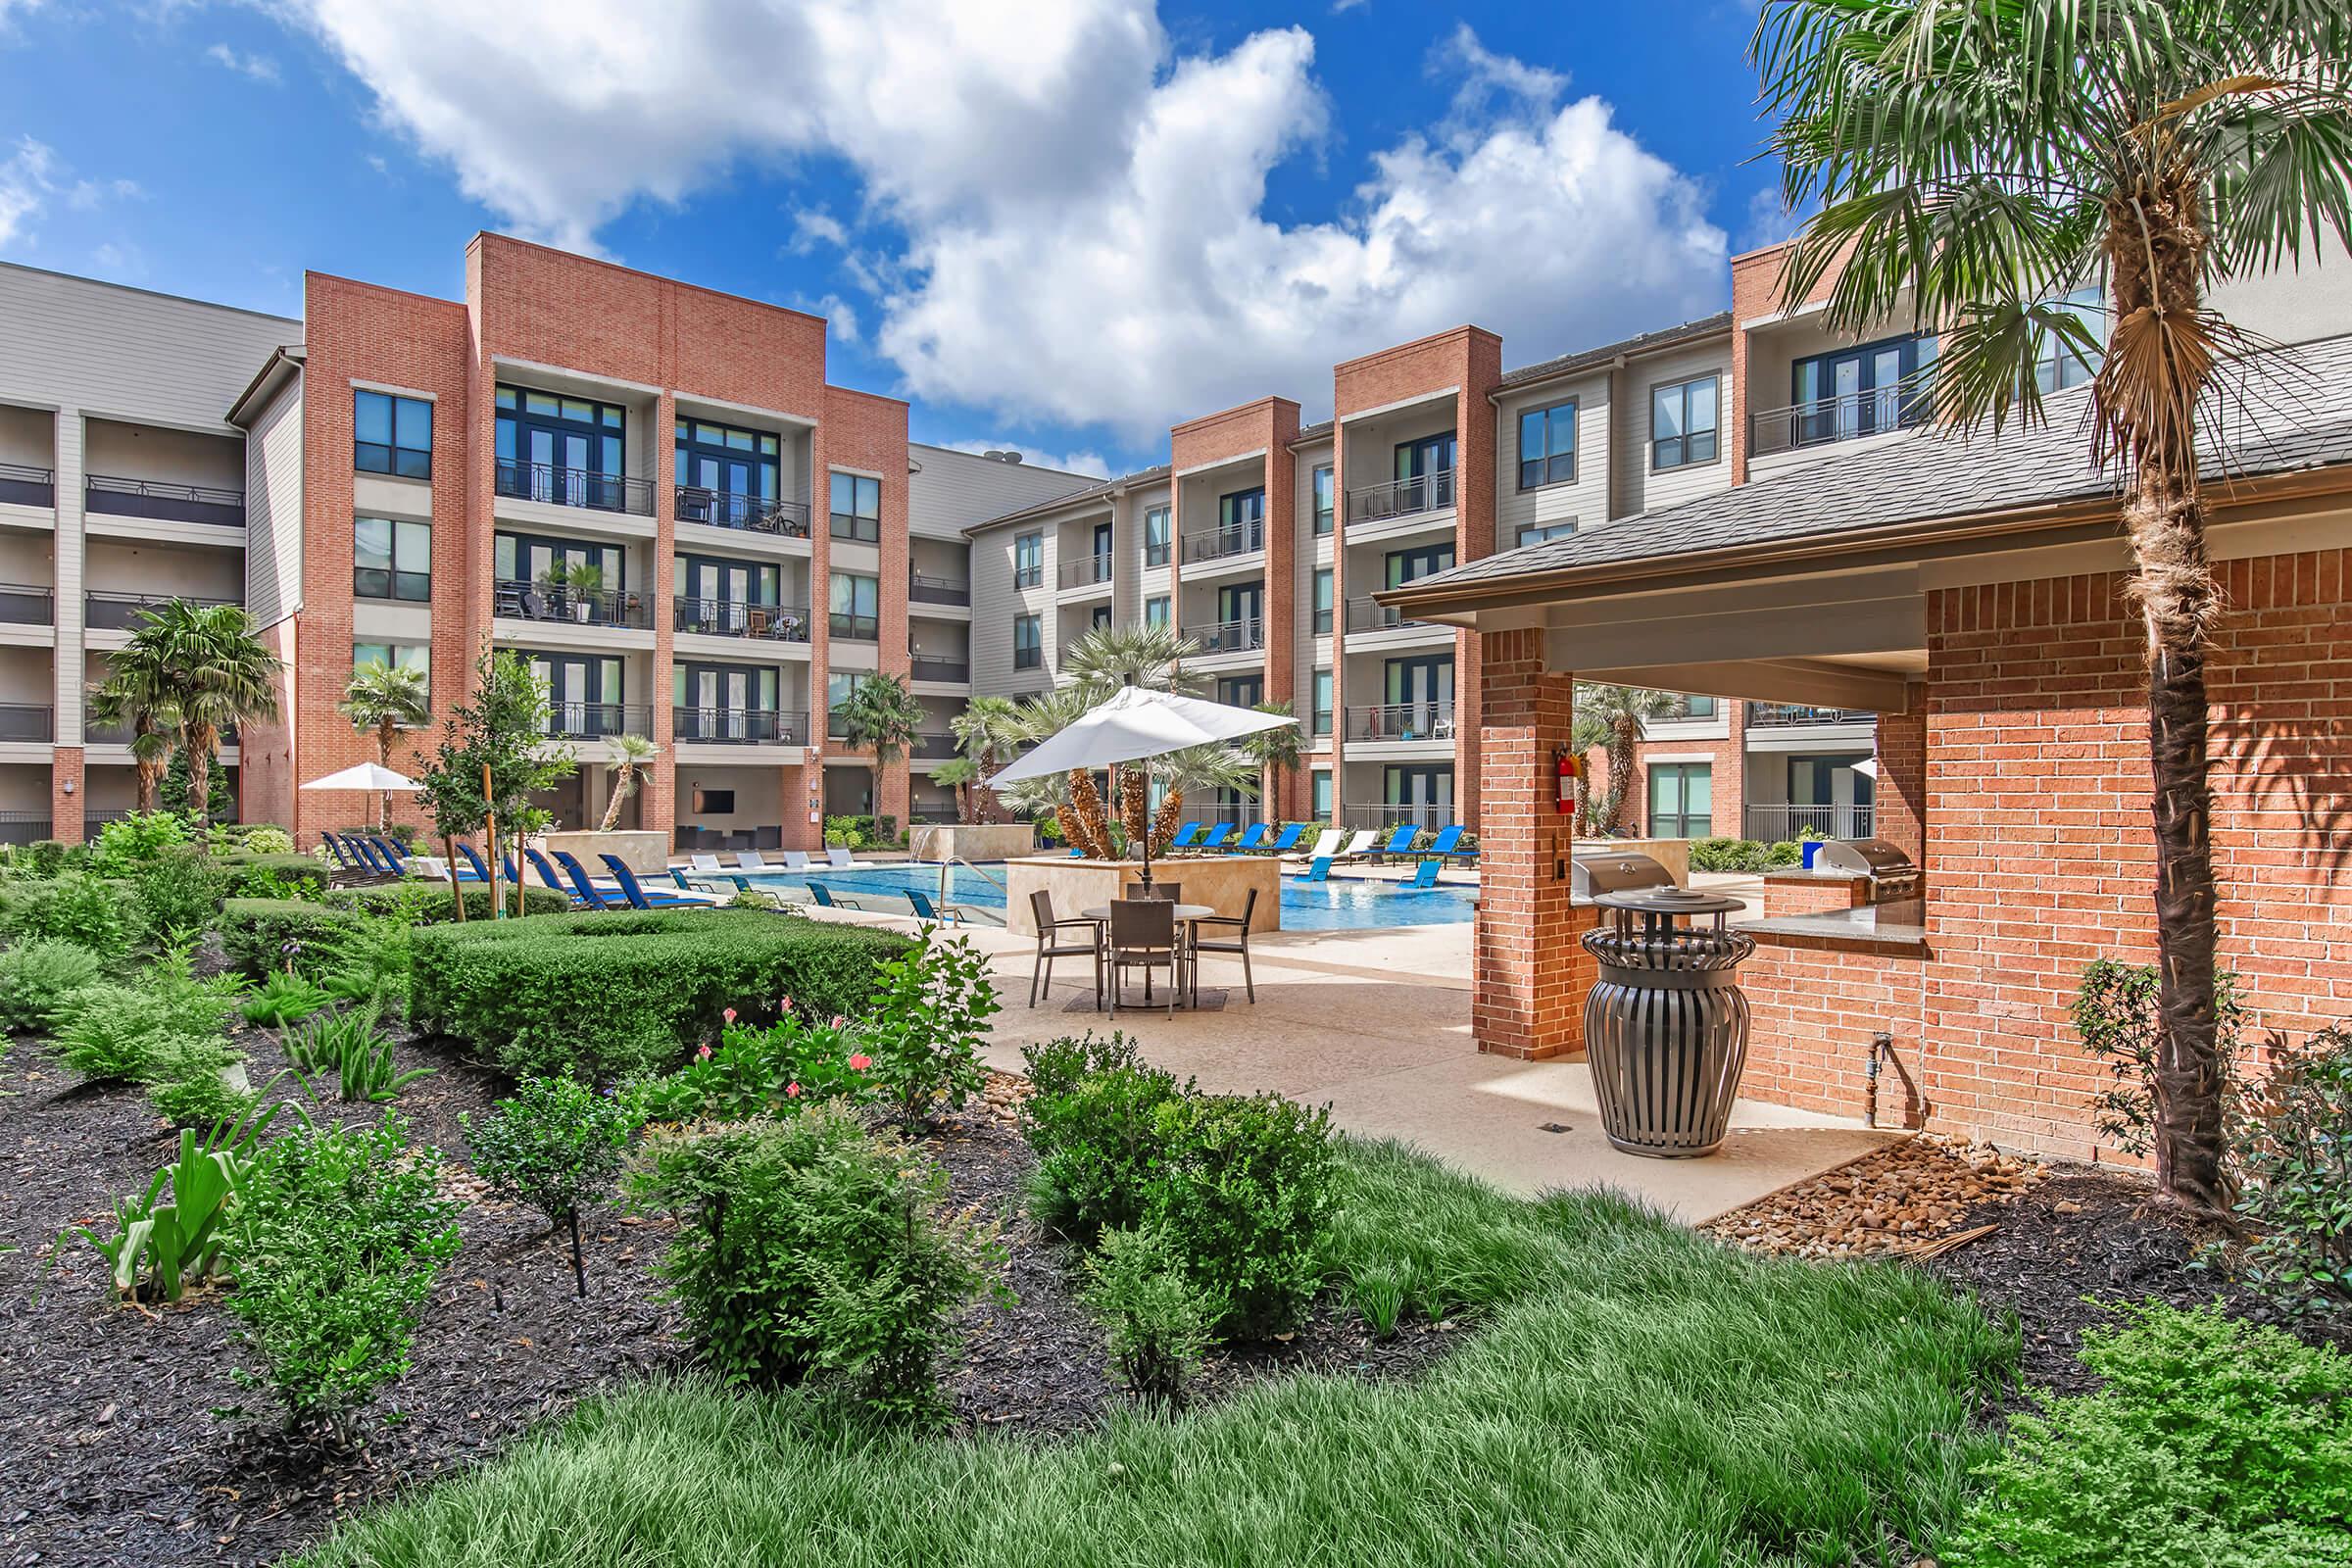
2291,410
1086,493
1665,338
1309,433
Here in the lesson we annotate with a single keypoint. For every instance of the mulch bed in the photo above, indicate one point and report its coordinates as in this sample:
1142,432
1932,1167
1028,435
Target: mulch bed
115,1449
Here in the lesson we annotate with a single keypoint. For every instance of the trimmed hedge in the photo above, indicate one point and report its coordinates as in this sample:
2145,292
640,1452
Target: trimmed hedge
255,931
243,867
608,995
434,905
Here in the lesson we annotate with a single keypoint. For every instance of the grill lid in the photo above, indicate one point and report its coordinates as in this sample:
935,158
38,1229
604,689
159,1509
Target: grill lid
1872,858
1594,872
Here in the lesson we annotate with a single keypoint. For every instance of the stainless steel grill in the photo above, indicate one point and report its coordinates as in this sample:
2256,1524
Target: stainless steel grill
1892,873
1594,872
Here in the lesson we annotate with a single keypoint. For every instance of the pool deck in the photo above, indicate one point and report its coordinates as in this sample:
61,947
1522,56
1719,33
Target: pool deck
1377,1024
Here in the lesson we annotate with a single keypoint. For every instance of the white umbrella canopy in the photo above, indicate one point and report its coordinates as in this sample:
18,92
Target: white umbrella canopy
1135,724
1868,767
368,776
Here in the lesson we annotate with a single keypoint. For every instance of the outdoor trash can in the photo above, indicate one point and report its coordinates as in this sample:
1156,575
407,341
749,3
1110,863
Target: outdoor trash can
1666,1025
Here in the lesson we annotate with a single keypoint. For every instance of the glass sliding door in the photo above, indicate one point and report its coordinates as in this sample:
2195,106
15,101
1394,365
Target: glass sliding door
1681,800
727,702
1420,794
584,693
1420,699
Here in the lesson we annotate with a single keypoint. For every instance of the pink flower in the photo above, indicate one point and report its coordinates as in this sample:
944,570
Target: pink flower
861,1061
784,1003
729,1016
839,1020
705,1053
792,1091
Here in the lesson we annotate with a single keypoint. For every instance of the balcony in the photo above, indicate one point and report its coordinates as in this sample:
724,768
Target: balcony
109,611
28,721
728,617
1793,715
558,486
94,733
1775,825
1224,543
927,590
164,501
720,509
29,487
1402,721
610,607
1084,572
737,726
24,827
1395,816
1229,636
1367,613
596,721
23,605
1401,498
936,747
1828,420
947,669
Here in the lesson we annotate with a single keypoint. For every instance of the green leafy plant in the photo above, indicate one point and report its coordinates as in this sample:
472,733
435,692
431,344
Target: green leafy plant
180,888
263,936
41,978
1380,1290
775,1070
158,1246
2293,1146
2115,1014
75,907
127,843
1097,1120
811,1252
196,1080
2211,1442
336,1240
276,876
930,1013
264,838
557,1145
1157,1322
347,1043
283,999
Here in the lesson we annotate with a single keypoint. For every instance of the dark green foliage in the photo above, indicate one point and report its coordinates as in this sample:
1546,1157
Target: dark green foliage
1099,1121
923,1028
1744,854
161,1242
430,903
810,1252
275,875
180,888
2115,1012
78,908
257,933
336,1240
49,856
185,1083
557,1145
131,842
40,977
173,794
2293,1143
2212,1442
1157,1321
608,996
777,1070
1380,1290
348,1044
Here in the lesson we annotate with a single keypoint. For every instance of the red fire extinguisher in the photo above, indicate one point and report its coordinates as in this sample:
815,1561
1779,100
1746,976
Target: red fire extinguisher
1569,768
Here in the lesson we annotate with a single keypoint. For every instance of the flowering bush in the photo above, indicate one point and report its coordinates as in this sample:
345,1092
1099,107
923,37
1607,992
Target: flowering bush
772,1071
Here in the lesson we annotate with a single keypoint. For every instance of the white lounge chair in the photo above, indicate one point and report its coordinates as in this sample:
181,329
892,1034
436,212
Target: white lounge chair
839,858
1326,844
1361,845
750,860
796,859
705,865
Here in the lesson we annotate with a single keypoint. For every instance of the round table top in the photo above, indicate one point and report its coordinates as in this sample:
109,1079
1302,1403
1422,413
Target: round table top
1183,912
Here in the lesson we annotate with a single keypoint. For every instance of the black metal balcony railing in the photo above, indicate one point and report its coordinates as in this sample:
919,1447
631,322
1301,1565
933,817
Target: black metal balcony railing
25,827
856,628
1785,716
25,486
936,747
927,590
1401,498
951,669
607,607
1774,824
558,486
1367,613
737,726
163,500
1836,419
1229,636
28,721
1232,539
26,605
724,509
94,733
730,617
1396,815
1402,721
113,611
590,721
1084,571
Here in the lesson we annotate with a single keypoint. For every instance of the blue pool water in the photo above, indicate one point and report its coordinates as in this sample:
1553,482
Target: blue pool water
1340,904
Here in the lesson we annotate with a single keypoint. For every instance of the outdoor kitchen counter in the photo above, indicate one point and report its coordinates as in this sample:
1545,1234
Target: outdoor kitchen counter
1897,928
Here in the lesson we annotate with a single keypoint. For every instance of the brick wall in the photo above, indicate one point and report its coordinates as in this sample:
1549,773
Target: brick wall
1815,1006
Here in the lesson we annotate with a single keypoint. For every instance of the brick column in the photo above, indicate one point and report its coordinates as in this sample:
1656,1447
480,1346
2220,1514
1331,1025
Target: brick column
66,795
1900,798
1530,974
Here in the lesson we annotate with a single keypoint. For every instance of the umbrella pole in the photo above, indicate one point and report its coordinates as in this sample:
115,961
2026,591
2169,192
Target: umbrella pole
1147,827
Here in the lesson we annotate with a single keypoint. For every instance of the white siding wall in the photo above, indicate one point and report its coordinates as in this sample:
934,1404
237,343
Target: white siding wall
1586,500
273,510
1638,489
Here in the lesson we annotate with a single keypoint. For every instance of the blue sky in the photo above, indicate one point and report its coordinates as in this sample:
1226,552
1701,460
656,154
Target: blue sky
1061,225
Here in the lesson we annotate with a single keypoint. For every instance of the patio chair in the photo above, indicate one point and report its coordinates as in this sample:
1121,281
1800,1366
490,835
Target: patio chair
823,897
1288,839
1317,869
585,890
1326,844
1360,844
1449,836
550,877
752,861
1142,935
335,848
1217,836
935,914
1052,946
1186,837
1425,876
391,855
839,858
634,892
1238,943
479,872
705,865
795,859
1400,841
1253,837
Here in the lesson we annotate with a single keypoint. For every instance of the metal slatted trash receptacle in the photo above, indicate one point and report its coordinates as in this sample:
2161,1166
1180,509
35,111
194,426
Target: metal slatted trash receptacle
1666,1025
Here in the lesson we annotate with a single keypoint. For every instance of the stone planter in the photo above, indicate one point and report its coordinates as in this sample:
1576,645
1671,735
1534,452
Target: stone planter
972,841
643,852
1222,882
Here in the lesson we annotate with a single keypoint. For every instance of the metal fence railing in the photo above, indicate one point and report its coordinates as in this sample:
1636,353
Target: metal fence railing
1401,498
1771,824
560,486
731,618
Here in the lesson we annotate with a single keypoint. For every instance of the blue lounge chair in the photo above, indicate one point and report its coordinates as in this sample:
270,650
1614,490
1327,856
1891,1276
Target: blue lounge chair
343,857
935,914
367,861
634,891
1425,876
1252,837
399,868
1317,869
1187,837
584,893
1449,837
823,897
1398,842
1287,840
1217,836
479,873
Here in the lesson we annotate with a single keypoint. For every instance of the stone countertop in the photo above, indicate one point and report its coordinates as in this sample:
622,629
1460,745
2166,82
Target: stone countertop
1894,927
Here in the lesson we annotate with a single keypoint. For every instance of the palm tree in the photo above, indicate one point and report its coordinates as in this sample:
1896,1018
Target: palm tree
1150,656
1274,751
1081,810
215,674
1587,732
963,775
630,753
382,698
1197,771
990,733
1979,162
133,693
880,715
1624,714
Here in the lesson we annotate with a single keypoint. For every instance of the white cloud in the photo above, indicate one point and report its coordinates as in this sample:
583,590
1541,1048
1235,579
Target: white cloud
260,67
26,177
1770,220
88,195
839,314
1076,219
1088,462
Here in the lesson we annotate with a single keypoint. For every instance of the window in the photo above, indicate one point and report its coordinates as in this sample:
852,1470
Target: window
1241,691
393,656
2062,366
1241,522
729,476
856,607
1028,643
1547,445
1100,618
1321,778
1536,533
1028,560
1860,391
1403,565
1683,423
1323,601
856,508
392,559
1682,798
1156,536
1155,610
1322,712
392,435
840,686
567,451
1323,499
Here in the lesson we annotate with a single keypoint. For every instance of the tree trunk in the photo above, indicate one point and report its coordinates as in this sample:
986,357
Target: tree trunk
1135,807
1082,820
579,1269
624,779
198,739
384,733
1621,774
456,894
1164,823
148,772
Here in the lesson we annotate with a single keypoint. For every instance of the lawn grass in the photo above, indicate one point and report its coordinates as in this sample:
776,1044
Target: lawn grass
1632,1395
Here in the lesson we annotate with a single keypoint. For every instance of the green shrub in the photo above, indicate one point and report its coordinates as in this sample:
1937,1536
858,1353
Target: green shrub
557,1145
348,1044
49,856
39,977
282,1000
75,907
138,1032
778,1069
290,875
2212,1441
929,1013
130,842
613,995
335,1241
189,1081
1099,1120
813,1252
256,933
2115,1012
2293,1144
157,1245
1157,1322
261,838
421,903
180,890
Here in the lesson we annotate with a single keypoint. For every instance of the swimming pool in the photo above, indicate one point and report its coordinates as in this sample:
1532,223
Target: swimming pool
1349,904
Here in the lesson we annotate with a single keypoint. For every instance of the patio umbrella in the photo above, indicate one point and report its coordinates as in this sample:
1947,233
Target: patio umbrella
369,776
1135,726
1868,767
